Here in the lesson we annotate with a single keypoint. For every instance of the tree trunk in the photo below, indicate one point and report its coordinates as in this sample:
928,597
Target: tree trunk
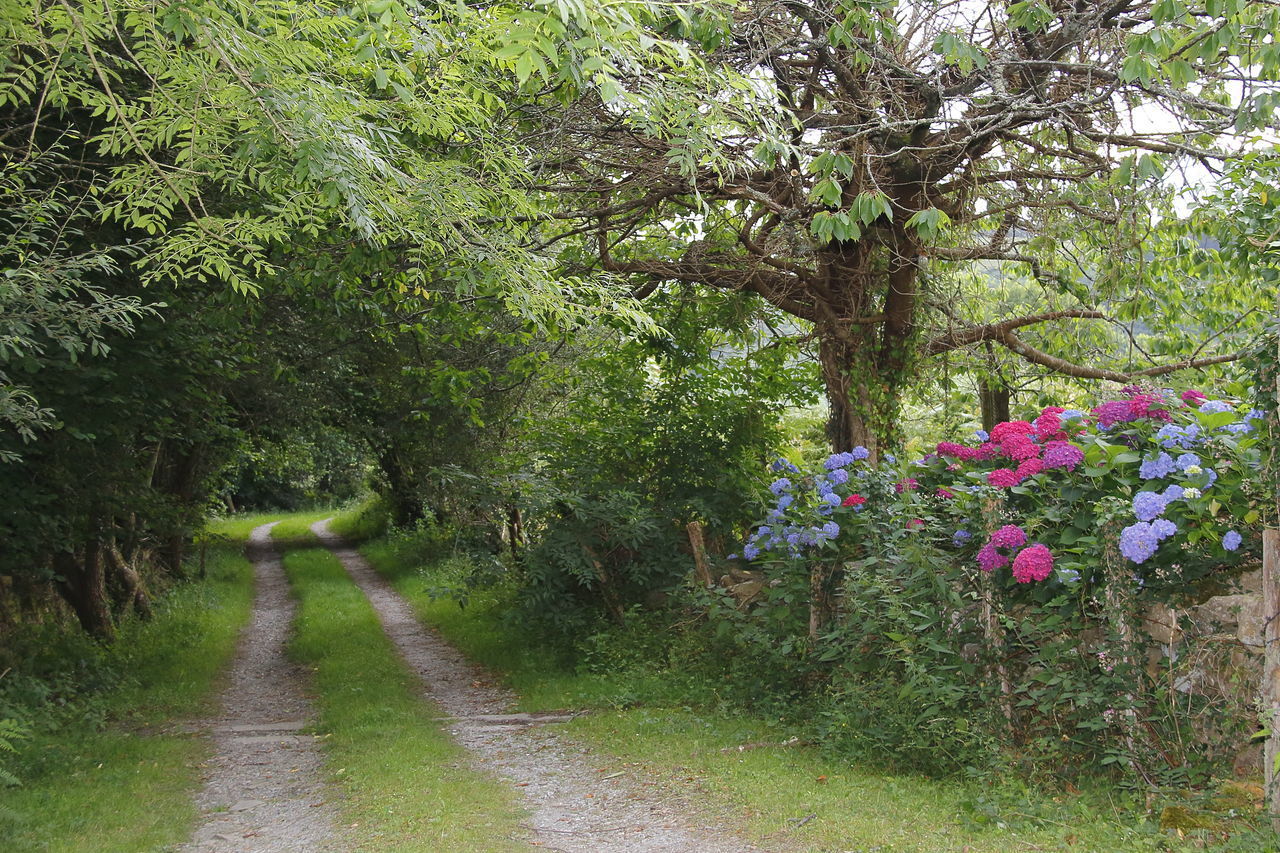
851,422
134,591
82,584
994,399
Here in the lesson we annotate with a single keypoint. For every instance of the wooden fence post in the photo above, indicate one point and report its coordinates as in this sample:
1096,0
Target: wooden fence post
1271,669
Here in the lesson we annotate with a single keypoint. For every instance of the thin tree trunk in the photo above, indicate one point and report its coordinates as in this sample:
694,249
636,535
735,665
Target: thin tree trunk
135,591
697,544
994,399
82,584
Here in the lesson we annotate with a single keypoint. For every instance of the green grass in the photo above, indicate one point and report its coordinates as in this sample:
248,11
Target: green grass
795,796
405,782
101,774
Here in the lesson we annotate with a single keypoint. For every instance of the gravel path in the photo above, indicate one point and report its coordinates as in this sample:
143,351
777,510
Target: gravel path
263,792
574,807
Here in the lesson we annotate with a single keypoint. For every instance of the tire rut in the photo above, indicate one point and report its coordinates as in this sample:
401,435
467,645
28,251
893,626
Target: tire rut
573,807
263,791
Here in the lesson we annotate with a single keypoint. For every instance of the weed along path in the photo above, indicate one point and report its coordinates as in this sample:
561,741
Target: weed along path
574,807
262,792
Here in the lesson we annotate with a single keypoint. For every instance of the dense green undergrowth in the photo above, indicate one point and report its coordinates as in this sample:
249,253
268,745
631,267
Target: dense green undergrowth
105,768
405,782
668,693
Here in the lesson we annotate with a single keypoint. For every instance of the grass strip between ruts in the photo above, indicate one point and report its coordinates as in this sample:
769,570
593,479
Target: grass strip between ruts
102,776
407,785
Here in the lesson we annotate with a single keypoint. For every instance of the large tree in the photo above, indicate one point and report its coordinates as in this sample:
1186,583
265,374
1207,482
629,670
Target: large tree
912,134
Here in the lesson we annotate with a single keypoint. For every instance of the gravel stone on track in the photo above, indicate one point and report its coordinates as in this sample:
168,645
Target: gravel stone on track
574,808
262,792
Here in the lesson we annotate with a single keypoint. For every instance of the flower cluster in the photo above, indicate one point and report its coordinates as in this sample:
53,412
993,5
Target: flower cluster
1178,461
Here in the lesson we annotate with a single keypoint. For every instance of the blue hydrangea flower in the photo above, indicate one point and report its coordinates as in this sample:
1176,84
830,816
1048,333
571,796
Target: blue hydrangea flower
1188,460
839,476
824,487
960,537
793,538
779,485
859,453
1070,415
763,530
890,458
1148,505
1138,542
1212,475
1161,466
750,551
1238,428
1255,415
1214,406
780,465
785,501
1172,435
1232,540
776,515
831,498
1163,528
831,529
981,435
1171,494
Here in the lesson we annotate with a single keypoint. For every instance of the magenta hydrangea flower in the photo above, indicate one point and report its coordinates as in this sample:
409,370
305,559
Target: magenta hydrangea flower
908,485
956,451
1048,425
989,559
1020,447
1002,431
1029,468
1192,397
944,492
1003,478
1009,536
1033,564
1062,454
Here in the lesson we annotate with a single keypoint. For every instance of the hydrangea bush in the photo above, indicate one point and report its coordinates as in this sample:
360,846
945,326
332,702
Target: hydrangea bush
1150,496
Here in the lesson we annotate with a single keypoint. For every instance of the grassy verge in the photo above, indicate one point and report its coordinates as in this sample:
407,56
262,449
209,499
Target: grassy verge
406,784
791,796
99,772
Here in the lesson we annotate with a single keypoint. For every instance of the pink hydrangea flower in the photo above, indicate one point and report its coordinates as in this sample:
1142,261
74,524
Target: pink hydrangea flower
956,451
1192,397
1033,564
1003,478
1029,468
986,450
1020,447
1002,431
944,492
908,485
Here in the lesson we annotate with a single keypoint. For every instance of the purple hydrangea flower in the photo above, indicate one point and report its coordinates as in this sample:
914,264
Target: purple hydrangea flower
1062,454
989,559
1232,540
1138,542
1009,536
1161,466
779,485
960,537
1148,505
